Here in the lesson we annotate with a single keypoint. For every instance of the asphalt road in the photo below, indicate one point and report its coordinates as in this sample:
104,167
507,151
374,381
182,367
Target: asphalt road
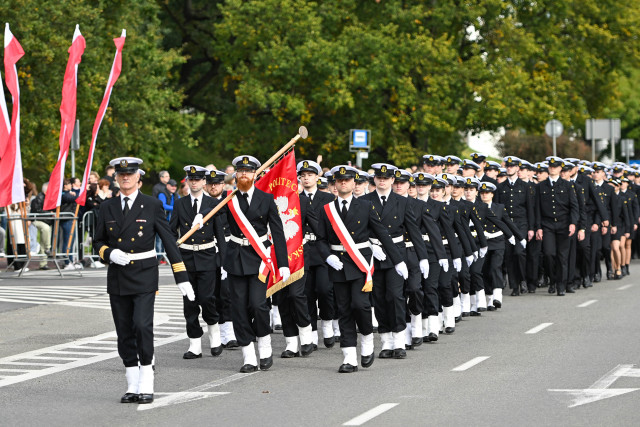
520,379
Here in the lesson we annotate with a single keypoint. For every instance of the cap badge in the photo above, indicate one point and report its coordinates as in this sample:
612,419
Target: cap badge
383,169
305,164
343,170
124,163
421,176
193,169
319,182
398,174
245,160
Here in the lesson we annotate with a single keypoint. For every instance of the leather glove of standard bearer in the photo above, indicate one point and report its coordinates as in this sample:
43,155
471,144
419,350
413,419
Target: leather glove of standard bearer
470,260
401,269
378,253
284,273
187,290
483,251
198,220
457,264
512,240
523,242
334,262
119,257
424,267
223,273
444,263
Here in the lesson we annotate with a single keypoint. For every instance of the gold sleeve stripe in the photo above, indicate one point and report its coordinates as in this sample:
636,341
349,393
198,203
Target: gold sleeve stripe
179,266
102,249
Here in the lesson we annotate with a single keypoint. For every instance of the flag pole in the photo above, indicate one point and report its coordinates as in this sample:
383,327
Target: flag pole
73,229
56,226
302,133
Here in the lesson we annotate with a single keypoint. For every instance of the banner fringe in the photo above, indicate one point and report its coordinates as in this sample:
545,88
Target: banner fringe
278,286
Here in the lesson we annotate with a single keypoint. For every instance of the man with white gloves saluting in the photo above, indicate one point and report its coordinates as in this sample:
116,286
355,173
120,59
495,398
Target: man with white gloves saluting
125,239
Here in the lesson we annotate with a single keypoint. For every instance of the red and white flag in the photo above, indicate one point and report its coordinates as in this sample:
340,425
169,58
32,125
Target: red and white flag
11,179
113,77
68,116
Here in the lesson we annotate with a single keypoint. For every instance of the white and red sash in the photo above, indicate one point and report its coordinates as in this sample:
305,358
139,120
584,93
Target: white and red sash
250,233
348,243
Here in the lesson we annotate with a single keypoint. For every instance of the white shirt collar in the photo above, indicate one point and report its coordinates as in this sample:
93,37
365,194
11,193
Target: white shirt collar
250,194
199,198
514,180
313,192
386,195
348,199
132,198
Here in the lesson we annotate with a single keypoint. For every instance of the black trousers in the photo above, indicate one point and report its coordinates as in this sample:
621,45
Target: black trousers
445,297
572,259
133,317
600,246
204,284
292,303
249,309
583,262
534,248
354,308
223,298
461,280
555,249
475,272
431,304
492,270
319,289
413,285
389,300
515,258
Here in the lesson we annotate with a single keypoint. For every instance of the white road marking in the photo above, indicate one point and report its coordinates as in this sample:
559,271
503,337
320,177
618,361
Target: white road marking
538,328
625,287
587,303
370,414
470,363
600,389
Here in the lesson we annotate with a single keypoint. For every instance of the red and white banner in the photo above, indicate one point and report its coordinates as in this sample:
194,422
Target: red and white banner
68,116
11,179
113,77
282,182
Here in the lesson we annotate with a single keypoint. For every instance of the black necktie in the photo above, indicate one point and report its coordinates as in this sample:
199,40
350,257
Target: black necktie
310,195
244,202
126,209
343,212
384,200
195,206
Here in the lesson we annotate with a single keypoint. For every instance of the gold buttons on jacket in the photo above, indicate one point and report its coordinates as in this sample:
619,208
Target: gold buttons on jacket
119,239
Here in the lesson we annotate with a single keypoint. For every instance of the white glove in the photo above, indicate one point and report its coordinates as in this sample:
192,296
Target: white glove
119,257
223,273
284,273
483,251
470,260
512,240
198,220
424,267
475,256
401,269
187,290
444,263
523,242
378,253
457,264
334,262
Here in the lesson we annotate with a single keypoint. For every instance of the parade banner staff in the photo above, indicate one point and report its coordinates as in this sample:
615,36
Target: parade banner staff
125,238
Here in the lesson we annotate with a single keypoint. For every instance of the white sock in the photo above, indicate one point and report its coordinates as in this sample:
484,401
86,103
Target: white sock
264,346
195,345
327,329
145,384
457,306
416,325
366,344
425,326
223,333
292,344
336,328
306,335
449,318
231,334
387,341
249,355
497,294
474,302
440,321
374,321
398,339
133,379
466,303
407,334
314,336
214,335
434,325
480,298
275,316
350,356
489,299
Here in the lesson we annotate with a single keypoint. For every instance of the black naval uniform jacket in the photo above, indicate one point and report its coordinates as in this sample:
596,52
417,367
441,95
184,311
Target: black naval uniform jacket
398,218
496,218
134,234
309,221
428,227
470,216
181,222
519,200
557,206
462,229
606,192
221,217
363,222
243,260
594,209
443,217
313,254
582,207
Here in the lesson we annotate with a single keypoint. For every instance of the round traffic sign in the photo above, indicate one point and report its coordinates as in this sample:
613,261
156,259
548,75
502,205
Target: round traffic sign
553,128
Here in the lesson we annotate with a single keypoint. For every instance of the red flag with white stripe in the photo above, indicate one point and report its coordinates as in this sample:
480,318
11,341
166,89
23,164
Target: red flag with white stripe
113,76
68,116
11,178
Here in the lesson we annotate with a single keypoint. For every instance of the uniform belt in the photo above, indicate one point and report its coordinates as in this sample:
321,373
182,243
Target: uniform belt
309,237
408,244
394,239
244,241
340,248
445,242
493,235
197,248
142,255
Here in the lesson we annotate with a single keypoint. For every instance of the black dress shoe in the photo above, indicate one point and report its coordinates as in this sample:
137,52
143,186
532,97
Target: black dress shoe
449,330
266,363
399,353
130,398
465,314
552,289
491,308
560,293
190,355
367,361
596,278
609,275
523,290
248,368
433,337
416,342
329,342
231,344
475,313
481,309
145,398
458,319
345,368
288,354
216,351
386,354
306,350
587,282
515,293
497,304
570,290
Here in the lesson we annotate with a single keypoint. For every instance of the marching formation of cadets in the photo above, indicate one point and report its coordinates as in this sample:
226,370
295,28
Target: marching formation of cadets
404,255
